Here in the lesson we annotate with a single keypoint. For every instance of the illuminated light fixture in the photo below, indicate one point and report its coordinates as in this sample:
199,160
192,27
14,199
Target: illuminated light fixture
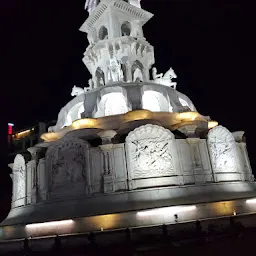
10,128
22,134
188,116
50,136
251,201
138,115
234,213
167,210
84,123
212,124
49,224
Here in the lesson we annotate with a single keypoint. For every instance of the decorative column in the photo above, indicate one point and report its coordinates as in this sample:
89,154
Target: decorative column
246,163
193,141
243,161
106,148
32,176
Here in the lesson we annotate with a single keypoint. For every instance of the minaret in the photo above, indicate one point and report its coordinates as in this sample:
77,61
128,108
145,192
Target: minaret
117,51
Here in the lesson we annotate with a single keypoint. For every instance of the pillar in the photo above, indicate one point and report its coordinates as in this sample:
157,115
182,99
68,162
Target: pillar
193,142
107,150
32,177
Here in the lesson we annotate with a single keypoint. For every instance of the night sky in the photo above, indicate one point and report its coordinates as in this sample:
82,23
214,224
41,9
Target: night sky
209,44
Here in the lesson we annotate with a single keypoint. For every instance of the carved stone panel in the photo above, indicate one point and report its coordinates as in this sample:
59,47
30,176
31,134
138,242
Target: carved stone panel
150,151
66,162
222,149
19,182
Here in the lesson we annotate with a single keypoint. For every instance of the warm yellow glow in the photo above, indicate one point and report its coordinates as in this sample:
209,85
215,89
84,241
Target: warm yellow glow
103,222
84,123
50,136
167,210
138,115
251,201
223,208
49,224
212,124
234,213
187,116
22,134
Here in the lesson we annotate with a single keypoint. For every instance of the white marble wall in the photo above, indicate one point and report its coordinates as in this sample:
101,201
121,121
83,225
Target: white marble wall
150,157
19,181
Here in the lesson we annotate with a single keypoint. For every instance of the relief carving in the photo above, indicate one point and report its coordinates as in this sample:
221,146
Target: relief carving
149,150
19,168
67,161
221,145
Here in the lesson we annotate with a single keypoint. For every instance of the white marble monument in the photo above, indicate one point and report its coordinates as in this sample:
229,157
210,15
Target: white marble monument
127,142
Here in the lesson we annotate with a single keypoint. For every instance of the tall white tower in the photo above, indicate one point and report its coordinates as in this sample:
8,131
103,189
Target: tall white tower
117,51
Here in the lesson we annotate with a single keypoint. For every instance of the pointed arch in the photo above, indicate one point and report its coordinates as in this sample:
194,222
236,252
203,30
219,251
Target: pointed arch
100,77
103,33
126,29
137,71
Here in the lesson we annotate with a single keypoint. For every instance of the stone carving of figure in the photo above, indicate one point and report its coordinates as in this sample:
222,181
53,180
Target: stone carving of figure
115,71
101,81
222,149
150,151
68,163
137,75
76,91
152,154
166,79
155,75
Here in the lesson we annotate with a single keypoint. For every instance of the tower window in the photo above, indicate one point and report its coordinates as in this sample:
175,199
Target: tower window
137,71
126,28
103,33
100,77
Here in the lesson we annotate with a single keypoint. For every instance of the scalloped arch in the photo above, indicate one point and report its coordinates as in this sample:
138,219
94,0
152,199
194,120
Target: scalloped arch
149,131
222,133
66,142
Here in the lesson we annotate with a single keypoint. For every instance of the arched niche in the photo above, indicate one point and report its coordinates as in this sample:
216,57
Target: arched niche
154,101
114,104
222,149
100,77
66,164
126,29
137,71
103,33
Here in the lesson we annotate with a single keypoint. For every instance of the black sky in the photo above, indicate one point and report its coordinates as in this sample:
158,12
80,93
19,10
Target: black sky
210,45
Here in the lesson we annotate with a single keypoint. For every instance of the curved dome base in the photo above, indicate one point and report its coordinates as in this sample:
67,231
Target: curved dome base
120,210
169,120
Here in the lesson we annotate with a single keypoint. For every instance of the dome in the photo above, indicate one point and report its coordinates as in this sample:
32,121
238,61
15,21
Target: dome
118,99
